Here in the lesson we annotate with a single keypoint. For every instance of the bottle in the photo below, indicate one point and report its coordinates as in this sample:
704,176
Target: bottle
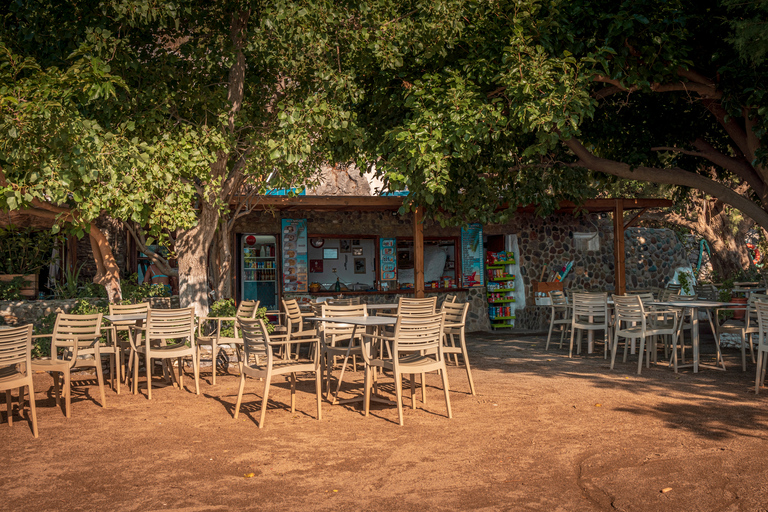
337,287
262,252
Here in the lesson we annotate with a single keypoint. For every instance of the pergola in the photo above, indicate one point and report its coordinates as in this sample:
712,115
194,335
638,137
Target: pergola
393,203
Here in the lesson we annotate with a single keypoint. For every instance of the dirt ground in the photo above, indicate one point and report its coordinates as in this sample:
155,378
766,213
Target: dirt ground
544,432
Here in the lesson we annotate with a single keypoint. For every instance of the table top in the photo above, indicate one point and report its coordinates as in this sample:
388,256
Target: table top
698,304
356,320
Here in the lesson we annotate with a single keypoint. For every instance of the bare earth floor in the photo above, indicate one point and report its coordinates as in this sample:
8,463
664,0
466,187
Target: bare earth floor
544,432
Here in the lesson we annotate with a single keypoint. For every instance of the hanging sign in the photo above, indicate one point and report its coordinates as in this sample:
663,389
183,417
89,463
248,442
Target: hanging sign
387,259
472,255
294,255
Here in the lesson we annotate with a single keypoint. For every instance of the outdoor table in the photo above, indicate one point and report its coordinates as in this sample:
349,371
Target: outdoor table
748,291
694,306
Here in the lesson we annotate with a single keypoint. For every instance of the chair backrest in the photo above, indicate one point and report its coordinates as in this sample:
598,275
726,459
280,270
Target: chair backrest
16,347
409,306
668,294
674,286
165,324
706,291
629,309
293,317
558,298
589,305
455,312
129,309
644,296
424,332
247,309
332,331
255,338
75,332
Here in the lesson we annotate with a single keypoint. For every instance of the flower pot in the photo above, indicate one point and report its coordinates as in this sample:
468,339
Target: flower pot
738,314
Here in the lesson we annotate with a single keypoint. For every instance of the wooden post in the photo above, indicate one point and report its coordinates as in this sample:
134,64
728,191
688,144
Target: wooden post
620,273
418,252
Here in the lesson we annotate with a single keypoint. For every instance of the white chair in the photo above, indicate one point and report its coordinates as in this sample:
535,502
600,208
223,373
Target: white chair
455,323
590,313
246,309
416,348
336,341
177,325
16,369
633,323
560,315
762,343
745,327
256,340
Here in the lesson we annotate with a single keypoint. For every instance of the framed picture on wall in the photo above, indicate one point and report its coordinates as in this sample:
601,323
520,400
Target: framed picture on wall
315,266
357,251
345,246
359,265
330,254
356,242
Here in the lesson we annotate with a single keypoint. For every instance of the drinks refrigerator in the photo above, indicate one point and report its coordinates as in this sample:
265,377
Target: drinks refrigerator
259,272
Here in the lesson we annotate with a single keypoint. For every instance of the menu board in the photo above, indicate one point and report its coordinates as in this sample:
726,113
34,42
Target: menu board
388,259
472,255
295,255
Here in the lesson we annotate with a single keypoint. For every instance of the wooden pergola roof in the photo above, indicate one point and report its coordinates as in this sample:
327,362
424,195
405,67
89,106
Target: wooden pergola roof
393,203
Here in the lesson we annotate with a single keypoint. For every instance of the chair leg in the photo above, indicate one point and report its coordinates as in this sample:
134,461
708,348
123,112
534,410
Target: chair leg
573,333
67,394
446,389
640,351
33,409
319,392
466,361
760,359
615,347
239,394
100,379
413,391
148,362
399,393
196,370
367,391
743,352
265,398
9,404
423,389
293,393
214,354
56,389
551,326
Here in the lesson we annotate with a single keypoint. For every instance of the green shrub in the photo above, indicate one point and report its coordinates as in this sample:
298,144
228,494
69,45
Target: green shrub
135,292
25,250
11,290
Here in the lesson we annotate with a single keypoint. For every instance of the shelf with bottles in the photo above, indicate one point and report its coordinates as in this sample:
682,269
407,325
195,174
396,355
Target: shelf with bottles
266,250
260,275
500,316
501,286
500,274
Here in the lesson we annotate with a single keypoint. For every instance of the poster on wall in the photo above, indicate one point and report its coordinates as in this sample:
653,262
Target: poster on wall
387,259
472,255
294,255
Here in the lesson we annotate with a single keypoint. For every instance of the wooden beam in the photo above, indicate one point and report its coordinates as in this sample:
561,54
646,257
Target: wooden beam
418,252
635,219
619,269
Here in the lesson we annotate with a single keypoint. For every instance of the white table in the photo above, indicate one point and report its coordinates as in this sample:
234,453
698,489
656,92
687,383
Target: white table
694,306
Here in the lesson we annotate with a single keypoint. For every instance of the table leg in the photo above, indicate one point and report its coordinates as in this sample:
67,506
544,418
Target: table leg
695,336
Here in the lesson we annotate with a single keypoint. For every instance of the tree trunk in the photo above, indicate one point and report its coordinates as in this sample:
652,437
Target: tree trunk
192,248
107,271
224,259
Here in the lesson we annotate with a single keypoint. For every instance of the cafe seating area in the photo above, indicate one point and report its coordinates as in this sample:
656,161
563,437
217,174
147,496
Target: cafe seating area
335,337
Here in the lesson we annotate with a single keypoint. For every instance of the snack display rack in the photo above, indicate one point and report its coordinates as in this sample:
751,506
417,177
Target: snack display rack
501,285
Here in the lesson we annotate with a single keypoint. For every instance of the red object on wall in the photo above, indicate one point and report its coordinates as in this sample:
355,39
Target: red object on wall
250,240
315,265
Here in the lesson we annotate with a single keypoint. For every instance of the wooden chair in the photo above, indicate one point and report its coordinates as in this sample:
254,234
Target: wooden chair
16,369
213,338
590,313
417,348
336,341
560,315
256,340
176,325
455,323
123,326
632,323
77,337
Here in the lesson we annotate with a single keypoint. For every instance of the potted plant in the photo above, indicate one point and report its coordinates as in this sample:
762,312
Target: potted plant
23,252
